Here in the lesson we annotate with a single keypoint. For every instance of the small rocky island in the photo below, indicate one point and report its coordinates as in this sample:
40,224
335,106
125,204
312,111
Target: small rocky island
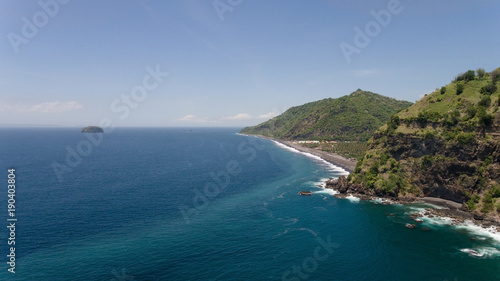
92,129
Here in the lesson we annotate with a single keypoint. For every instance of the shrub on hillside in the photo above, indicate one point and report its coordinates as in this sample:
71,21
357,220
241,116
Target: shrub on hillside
452,118
484,119
480,72
495,75
465,138
471,112
485,101
489,89
474,199
460,88
467,76
487,203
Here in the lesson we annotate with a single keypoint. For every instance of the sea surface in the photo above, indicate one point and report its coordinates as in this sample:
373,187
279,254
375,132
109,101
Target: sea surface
209,204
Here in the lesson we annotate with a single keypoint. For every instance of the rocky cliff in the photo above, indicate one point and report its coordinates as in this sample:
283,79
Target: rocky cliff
447,145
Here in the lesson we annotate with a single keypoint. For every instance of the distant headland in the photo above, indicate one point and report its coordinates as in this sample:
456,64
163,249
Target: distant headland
92,129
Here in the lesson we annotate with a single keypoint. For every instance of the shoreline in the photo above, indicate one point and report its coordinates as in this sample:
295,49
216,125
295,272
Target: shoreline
450,208
335,159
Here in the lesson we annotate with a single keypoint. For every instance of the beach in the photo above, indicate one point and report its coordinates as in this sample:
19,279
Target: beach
332,158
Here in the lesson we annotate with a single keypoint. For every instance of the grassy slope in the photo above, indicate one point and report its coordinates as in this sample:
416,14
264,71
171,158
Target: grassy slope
438,147
349,118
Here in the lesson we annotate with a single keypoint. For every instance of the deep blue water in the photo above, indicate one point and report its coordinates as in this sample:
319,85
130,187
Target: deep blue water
170,204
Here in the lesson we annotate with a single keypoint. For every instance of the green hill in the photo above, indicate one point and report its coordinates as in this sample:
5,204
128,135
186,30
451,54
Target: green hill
446,145
349,118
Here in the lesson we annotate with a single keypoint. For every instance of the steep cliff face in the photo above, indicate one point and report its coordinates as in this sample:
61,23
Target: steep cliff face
447,145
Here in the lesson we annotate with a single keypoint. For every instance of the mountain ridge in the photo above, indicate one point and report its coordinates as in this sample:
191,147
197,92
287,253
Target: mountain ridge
354,117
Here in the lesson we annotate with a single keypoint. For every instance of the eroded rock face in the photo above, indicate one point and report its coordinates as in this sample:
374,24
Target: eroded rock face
343,186
453,169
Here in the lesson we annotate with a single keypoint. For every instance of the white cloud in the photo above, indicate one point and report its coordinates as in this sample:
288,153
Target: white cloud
188,117
268,115
193,118
4,107
53,107
44,107
241,116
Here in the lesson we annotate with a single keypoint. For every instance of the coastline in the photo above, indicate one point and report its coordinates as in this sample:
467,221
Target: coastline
447,208
450,209
332,158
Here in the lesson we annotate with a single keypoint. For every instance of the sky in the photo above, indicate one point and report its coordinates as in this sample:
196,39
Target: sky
227,63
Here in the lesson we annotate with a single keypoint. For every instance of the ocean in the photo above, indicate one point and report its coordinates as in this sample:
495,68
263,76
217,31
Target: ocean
209,204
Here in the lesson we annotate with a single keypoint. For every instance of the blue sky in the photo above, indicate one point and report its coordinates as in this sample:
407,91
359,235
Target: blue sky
229,62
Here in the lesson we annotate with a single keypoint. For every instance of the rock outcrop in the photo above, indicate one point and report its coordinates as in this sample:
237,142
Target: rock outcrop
92,129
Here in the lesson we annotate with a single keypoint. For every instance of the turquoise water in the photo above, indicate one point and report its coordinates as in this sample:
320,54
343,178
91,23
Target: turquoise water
170,204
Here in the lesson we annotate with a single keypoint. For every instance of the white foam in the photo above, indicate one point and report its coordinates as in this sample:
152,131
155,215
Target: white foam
469,226
482,252
289,221
286,147
328,191
353,199
383,200
321,183
329,165
491,232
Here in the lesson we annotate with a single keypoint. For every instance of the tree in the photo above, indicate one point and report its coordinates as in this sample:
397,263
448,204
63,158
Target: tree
489,89
485,101
471,112
443,90
480,73
495,75
484,118
467,76
460,88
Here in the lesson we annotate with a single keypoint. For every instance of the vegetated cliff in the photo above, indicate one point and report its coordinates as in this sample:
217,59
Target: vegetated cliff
349,118
446,145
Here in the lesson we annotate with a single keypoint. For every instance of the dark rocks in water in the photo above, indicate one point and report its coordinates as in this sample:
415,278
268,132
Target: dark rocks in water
478,217
426,229
343,187
409,225
92,129
390,214
305,193
341,184
415,215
